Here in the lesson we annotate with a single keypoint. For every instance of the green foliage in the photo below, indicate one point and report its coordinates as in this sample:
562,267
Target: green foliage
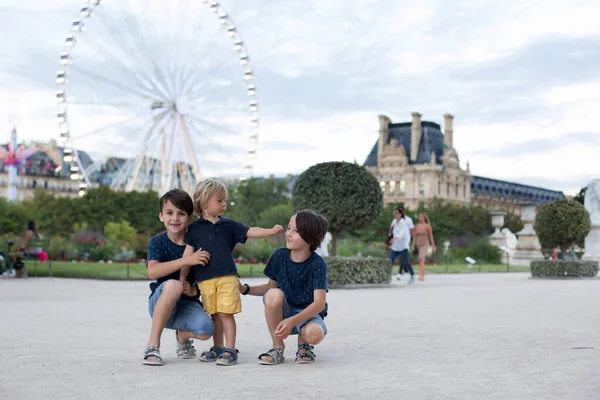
347,194
254,196
14,216
562,223
351,247
119,231
358,270
480,250
564,269
279,214
257,250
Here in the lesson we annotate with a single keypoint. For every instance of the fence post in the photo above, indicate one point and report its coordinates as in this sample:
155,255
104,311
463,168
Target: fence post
251,267
50,269
128,273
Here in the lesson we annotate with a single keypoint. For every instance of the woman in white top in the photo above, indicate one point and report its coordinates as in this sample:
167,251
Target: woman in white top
400,243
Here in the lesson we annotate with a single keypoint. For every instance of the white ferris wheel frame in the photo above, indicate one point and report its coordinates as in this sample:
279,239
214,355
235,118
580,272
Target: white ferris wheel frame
70,155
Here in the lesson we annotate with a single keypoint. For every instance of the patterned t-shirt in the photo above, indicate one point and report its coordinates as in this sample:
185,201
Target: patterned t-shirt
298,281
162,249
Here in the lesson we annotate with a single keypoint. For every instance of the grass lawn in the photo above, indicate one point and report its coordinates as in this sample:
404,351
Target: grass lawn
62,269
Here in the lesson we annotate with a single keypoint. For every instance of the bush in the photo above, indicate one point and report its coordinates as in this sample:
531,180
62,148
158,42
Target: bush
479,250
347,194
358,270
257,250
562,223
564,269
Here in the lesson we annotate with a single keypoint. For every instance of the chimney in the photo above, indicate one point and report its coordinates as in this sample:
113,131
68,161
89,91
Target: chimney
415,136
384,123
448,130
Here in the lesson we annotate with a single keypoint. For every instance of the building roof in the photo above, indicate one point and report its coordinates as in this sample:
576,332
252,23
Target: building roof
432,141
517,191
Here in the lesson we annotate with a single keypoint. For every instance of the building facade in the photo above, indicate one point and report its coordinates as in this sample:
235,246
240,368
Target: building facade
44,169
415,162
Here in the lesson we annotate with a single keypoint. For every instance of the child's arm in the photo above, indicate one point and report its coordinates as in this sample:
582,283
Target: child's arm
285,327
258,290
157,269
189,250
256,232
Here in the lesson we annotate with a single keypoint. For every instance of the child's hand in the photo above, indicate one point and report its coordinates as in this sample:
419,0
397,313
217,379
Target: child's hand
277,229
200,257
188,290
284,329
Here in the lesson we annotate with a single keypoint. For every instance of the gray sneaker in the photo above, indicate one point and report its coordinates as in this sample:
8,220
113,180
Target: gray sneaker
412,280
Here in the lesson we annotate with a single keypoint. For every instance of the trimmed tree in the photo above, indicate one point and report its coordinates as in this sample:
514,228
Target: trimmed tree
347,194
562,223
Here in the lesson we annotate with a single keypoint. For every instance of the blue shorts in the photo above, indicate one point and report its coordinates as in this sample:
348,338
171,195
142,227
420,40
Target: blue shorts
187,315
289,311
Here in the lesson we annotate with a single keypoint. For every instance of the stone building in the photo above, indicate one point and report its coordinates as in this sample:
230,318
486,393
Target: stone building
44,169
415,162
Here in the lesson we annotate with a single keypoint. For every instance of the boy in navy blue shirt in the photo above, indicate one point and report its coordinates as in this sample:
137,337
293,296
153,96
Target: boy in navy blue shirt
295,296
172,304
218,280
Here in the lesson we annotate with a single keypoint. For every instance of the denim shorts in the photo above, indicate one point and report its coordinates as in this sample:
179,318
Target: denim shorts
290,311
187,315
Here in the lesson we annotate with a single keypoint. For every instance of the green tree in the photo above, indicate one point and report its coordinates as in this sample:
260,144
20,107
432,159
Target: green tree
119,231
249,198
562,223
347,194
279,214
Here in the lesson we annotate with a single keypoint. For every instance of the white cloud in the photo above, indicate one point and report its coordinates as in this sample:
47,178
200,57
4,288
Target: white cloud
326,69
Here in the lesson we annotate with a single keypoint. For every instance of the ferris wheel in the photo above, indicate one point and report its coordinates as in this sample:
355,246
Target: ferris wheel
166,86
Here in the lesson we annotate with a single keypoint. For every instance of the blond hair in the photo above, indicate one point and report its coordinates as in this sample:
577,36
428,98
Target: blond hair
203,191
426,218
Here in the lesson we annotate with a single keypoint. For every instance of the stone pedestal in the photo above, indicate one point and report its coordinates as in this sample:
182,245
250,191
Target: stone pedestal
497,238
528,248
592,244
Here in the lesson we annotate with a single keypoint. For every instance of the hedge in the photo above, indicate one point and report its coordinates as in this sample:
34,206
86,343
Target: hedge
564,269
358,270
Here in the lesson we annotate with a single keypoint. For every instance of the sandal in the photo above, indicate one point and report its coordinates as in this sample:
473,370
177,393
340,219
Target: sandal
211,355
276,355
152,351
185,350
305,354
227,357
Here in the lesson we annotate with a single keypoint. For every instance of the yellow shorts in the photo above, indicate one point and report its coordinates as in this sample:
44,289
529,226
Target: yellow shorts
221,295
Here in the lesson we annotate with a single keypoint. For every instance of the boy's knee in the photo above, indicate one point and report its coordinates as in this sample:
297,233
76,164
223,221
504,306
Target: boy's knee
313,333
172,287
274,298
202,337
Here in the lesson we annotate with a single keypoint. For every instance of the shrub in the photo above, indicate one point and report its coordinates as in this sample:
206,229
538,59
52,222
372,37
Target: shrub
563,269
562,223
257,250
347,194
480,250
358,270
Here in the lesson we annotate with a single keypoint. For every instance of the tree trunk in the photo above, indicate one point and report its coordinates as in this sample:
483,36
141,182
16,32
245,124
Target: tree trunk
333,244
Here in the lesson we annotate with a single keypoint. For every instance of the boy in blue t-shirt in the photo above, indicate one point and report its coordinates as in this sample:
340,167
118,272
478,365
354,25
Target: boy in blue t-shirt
295,296
218,279
173,304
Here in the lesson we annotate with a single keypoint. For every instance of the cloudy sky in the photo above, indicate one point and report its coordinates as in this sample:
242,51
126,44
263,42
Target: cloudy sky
521,77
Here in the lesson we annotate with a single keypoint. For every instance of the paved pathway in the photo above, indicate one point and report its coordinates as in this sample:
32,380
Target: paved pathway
471,336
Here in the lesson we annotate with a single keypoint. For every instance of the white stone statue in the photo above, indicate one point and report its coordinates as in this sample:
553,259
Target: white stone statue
323,251
592,201
511,238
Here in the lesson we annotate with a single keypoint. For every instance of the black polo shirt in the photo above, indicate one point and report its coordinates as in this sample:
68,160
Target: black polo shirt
219,240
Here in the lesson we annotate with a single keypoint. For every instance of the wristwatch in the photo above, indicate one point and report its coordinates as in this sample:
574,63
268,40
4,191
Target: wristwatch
247,289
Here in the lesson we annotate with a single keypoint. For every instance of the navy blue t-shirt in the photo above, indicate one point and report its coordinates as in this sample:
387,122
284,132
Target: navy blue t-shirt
298,281
219,240
162,249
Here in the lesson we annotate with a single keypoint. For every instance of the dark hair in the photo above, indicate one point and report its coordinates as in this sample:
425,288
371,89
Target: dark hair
31,227
312,227
180,199
400,209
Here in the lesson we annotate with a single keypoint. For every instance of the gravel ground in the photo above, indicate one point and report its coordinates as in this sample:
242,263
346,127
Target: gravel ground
471,336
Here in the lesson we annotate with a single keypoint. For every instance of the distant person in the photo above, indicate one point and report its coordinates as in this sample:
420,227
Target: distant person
323,251
28,250
423,239
400,243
